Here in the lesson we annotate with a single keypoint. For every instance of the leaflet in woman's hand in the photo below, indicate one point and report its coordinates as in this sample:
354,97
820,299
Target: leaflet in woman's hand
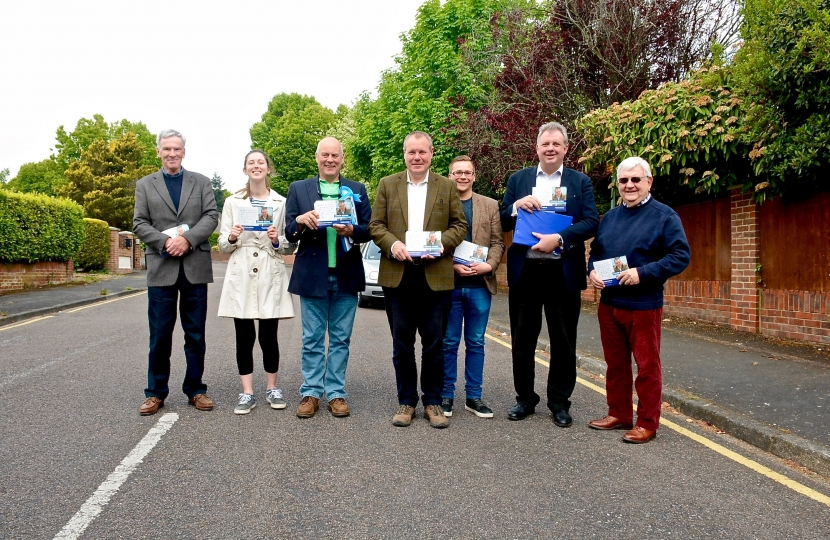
335,212
609,269
254,218
468,253
420,243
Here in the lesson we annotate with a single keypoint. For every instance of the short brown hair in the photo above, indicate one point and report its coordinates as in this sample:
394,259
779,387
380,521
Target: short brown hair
463,157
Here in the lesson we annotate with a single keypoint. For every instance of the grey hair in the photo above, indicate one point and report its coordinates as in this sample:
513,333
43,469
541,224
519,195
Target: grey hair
166,134
629,163
342,151
552,126
417,134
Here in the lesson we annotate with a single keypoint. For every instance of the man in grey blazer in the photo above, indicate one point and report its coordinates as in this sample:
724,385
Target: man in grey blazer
178,268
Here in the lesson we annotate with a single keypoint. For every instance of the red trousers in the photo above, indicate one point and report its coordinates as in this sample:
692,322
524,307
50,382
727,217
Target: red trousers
625,332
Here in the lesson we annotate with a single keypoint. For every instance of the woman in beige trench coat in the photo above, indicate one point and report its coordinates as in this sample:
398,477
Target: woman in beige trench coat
256,282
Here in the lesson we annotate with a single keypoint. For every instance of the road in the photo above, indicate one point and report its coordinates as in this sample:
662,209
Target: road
71,385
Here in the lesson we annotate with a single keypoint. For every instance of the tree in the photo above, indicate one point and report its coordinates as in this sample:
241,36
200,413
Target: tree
569,57
288,133
4,177
70,146
430,89
219,191
103,179
41,177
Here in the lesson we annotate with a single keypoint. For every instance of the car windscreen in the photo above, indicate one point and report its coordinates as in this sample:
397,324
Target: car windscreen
372,252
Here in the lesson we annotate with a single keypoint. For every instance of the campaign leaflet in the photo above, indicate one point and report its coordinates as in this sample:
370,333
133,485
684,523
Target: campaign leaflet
420,243
609,269
173,232
552,197
256,219
468,253
333,212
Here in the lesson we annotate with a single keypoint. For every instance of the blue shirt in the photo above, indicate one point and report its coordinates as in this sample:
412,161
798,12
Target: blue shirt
174,185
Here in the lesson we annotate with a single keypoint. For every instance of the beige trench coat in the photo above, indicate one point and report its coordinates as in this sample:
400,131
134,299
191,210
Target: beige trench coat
256,282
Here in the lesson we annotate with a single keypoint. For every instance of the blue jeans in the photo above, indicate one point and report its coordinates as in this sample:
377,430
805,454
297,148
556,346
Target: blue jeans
334,312
472,306
161,312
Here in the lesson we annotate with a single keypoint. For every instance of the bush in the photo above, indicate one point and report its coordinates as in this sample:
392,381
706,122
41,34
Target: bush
214,239
96,248
39,228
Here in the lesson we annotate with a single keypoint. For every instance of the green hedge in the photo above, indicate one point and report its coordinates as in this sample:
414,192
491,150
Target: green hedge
39,228
96,249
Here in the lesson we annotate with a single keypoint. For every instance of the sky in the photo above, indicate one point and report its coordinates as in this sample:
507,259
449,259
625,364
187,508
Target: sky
205,68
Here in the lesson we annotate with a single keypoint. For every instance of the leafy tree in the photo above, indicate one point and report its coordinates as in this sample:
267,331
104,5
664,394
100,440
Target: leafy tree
431,88
4,176
42,177
103,180
783,72
219,191
70,146
289,132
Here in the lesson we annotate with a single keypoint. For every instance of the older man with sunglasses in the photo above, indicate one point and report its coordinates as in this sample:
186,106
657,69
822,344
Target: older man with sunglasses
652,239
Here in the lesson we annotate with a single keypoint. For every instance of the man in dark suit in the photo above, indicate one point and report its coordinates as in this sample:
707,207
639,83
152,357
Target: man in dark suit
549,275
178,268
417,291
327,277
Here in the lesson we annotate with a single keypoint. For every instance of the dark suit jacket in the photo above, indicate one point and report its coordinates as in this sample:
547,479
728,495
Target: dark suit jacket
310,274
155,212
580,205
443,212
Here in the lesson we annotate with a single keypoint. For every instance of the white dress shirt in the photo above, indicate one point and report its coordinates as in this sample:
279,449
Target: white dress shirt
416,197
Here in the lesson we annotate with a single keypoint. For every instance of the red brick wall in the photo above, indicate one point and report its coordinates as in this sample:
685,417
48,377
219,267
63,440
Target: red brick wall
745,258
704,300
801,315
19,276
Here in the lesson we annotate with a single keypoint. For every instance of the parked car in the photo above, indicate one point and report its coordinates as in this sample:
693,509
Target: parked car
371,266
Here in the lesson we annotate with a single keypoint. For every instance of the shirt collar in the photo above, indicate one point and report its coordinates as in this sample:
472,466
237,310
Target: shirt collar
641,203
424,181
540,171
168,175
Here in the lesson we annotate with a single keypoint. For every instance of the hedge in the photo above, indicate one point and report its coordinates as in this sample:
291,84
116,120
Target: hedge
39,228
95,251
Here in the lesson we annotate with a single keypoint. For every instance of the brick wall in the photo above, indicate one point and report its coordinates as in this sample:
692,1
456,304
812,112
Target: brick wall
745,258
801,315
694,299
122,244
19,276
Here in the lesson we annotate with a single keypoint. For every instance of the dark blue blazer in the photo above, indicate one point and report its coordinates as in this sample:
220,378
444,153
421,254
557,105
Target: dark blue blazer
311,265
580,205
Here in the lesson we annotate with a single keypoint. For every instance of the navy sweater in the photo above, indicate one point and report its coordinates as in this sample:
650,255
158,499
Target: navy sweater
652,239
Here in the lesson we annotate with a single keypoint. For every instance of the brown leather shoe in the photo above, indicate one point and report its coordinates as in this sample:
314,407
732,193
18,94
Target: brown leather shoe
639,435
201,402
339,407
308,407
150,406
610,422
404,416
436,417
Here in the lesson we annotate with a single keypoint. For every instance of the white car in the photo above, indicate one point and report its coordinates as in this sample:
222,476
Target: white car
371,266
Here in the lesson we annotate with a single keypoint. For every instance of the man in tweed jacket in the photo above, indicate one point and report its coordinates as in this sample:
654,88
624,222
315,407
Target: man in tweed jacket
417,290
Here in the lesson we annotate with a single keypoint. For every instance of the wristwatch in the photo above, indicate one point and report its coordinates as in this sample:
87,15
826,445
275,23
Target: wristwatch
561,242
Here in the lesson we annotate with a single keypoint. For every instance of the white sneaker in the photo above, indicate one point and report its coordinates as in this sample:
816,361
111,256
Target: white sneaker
274,397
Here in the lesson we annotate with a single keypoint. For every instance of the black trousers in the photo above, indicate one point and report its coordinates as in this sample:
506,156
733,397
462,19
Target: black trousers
245,338
413,307
542,286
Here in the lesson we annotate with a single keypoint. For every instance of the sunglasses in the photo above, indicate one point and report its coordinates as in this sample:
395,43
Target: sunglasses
634,179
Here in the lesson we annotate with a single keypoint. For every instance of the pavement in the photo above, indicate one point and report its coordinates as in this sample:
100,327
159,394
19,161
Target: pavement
772,394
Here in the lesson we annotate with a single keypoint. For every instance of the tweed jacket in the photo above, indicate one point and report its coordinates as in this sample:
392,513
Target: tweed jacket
155,212
443,212
580,205
486,231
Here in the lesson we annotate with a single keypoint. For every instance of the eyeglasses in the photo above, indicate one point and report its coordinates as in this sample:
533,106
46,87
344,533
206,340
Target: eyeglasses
634,179
463,173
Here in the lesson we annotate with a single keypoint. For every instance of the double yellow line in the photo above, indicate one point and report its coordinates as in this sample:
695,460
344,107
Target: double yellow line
722,450
94,304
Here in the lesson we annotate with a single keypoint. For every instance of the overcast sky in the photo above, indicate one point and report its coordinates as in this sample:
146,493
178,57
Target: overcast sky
205,68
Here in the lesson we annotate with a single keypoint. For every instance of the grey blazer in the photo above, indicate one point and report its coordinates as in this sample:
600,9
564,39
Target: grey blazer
154,212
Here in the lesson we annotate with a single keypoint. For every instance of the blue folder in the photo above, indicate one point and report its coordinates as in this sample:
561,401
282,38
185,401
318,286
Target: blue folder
539,221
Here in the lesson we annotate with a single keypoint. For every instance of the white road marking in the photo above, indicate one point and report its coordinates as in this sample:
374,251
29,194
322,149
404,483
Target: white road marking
95,504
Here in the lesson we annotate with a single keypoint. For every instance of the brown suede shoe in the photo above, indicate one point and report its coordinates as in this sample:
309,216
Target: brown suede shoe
610,422
404,416
150,406
308,407
339,407
201,402
639,435
436,417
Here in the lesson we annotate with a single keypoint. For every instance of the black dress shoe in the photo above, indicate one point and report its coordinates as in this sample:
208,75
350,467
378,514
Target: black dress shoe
562,419
521,411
